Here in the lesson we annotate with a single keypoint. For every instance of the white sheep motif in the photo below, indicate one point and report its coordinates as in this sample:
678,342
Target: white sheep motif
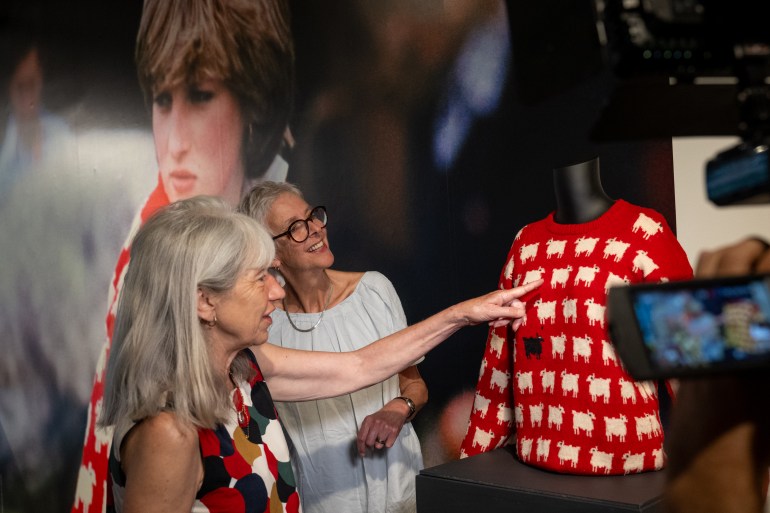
595,312
524,381
647,426
496,344
647,225
84,494
555,247
584,246
581,347
627,391
528,252
586,275
569,310
546,310
481,438
533,275
555,416
525,449
500,380
569,383
503,414
644,263
543,448
560,276
568,453
583,421
614,280
481,405
615,427
536,414
646,390
558,343
599,387
601,460
608,353
547,380
659,457
633,462
615,248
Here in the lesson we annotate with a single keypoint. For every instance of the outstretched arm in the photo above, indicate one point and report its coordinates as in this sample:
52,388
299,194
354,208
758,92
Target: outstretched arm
302,375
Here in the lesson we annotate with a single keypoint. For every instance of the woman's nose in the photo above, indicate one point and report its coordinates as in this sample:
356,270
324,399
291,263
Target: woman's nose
274,290
178,131
314,226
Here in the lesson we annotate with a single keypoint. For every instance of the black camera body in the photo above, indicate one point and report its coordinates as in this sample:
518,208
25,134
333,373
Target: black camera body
739,175
709,43
696,327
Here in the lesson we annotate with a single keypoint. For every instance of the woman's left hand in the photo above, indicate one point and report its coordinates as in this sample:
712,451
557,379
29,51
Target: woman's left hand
380,429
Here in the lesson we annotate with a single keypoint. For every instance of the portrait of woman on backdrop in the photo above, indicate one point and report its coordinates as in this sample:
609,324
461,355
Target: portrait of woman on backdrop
220,82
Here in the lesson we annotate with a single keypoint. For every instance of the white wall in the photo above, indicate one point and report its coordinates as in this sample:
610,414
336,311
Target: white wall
700,224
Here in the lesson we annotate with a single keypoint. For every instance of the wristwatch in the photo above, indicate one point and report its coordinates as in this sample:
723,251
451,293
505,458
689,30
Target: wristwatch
410,403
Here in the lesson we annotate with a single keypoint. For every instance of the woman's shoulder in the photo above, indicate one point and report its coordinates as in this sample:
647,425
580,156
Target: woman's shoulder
345,282
376,284
163,447
366,287
164,429
372,280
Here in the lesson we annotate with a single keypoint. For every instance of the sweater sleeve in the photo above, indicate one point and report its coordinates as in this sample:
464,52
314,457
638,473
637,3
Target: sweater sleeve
490,422
659,256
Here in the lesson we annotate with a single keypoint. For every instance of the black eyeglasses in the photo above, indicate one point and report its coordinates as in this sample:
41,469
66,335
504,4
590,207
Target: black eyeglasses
299,230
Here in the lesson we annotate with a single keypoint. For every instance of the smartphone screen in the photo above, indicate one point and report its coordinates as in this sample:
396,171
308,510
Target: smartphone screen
704,325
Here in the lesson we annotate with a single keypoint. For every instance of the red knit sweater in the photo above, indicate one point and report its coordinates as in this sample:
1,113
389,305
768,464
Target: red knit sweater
556,384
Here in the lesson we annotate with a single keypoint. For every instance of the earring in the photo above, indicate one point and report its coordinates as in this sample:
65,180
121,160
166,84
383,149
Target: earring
212,322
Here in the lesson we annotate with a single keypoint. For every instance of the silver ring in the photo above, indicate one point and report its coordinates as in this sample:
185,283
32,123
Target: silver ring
378,441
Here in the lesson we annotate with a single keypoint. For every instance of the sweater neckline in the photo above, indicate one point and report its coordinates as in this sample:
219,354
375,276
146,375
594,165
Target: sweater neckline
614,212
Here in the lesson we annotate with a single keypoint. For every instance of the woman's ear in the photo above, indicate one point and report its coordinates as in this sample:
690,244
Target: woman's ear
206,310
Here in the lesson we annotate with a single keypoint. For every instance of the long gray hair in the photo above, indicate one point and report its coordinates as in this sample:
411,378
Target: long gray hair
159,358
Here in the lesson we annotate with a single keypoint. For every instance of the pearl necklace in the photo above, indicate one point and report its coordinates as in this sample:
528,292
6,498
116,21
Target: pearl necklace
314,326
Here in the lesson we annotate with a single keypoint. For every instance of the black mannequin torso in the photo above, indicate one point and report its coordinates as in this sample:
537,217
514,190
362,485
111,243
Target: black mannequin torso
580,197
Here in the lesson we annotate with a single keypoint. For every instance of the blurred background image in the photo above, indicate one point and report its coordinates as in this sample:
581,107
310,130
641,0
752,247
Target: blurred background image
431,126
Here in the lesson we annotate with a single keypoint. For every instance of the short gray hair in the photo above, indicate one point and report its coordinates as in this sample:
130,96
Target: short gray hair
260,198
159,357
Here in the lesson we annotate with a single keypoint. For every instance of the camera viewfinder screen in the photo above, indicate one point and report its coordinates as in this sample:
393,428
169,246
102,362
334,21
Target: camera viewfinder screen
726,325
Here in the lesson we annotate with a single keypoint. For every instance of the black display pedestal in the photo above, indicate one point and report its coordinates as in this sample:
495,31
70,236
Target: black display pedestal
497,482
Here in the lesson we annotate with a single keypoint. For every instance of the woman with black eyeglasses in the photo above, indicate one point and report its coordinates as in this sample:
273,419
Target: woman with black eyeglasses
357,452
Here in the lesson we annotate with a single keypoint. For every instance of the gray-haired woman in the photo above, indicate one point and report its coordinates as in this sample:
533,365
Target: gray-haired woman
195,425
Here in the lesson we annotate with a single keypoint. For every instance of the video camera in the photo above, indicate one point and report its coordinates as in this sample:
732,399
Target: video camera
709,43
696,327
686,328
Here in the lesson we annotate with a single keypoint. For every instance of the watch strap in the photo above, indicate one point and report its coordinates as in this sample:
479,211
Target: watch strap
410,404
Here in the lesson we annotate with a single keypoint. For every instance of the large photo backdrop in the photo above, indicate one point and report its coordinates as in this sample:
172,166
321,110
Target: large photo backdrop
428,129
